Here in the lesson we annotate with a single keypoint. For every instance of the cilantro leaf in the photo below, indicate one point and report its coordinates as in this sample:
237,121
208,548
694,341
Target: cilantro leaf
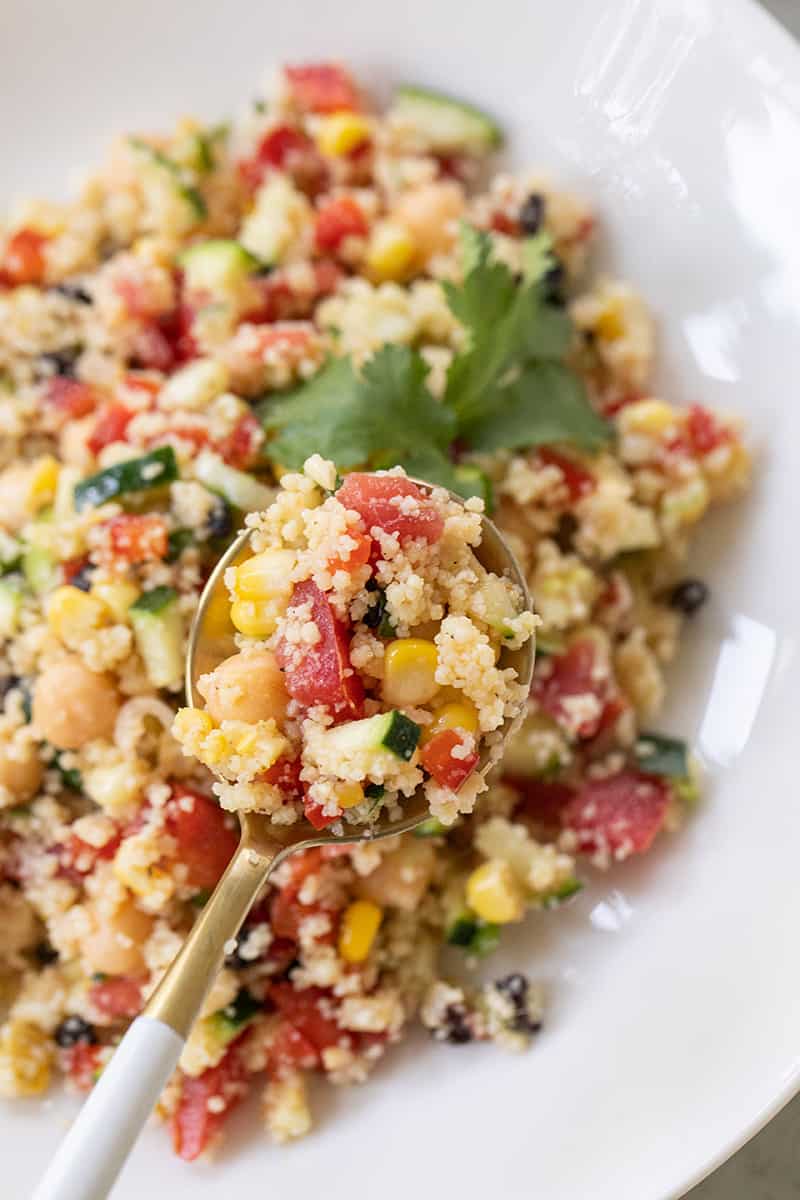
325,416
402,414
546,404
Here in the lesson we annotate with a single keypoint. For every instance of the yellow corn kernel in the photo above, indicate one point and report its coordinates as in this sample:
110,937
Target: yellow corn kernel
650,417
42,483
253,618
117,597
360,924
457,714
191,722
216,747
247,742
390,252
73,615
149,882
409,672
685,505
265,576
341,132
494,893
610,324
348,795
26,1055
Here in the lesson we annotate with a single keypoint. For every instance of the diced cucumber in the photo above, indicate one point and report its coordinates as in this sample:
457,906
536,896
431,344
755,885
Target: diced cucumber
217,266
241,490
10,606
173,176
39,569
158,629
280,211
446,123
10,552
472,481
500,609
152,470
660,755
565,892
227,1023
70,777
392,731
433,827
177,542
473,934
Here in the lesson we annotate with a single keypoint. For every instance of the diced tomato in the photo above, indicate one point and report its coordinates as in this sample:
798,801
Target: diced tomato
339,219
321,87
578,481
82,1064
321,673
120,997
315,815
69,397
620,814
285,775
240,448
502,223
541,800
23,259
575,673
196,435
704,430
288,149
441,758
357,557
205,1102
378,499
288,912
206,842
280,299
305,1011
291,1050
165,343
326,277
151,348
78,858
137,537
110,426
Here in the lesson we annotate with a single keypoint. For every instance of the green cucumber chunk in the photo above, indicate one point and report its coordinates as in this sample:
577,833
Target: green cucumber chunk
243,491
143,474
217,265
10,606
228,1022
39,568
432,827
392,731
173,174
472,934
660,755
158,630
444,122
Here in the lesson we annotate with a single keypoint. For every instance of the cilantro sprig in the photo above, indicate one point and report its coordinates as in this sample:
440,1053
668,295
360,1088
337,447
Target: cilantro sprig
508,388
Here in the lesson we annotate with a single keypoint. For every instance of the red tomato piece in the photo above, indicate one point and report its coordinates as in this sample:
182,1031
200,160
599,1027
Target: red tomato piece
151,349
357,557
205,1102
137,537
285,775
315,816
541,800
386,501
82,1065
502,223
23,259
444,758
72,567
705,431
206,841
322,674
281,301
78,858
110,426
119,997
575,673
578,481
326,277
621,814
290,1050
69,397
240,448
288,912
339,219
286,148
305,1010
322,87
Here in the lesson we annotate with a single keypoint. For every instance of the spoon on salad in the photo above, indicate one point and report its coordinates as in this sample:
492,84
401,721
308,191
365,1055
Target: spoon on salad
96,1146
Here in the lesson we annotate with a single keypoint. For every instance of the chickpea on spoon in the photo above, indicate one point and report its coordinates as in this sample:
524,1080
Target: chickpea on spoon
359,657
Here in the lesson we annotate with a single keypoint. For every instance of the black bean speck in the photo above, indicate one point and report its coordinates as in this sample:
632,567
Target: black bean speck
689,596
45,954
456,1028
83,579
531,214
62,362
219,522
554,284
73,1030
565,532
73,291
515,987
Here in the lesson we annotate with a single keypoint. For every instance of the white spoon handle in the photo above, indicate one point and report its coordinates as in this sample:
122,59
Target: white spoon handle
88,1160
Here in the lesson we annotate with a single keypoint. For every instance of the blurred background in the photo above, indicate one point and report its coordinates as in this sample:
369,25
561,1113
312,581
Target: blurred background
768,1168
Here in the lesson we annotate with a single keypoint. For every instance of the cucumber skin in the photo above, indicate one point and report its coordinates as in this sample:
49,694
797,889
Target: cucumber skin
402,736
410,95
154,601
126,477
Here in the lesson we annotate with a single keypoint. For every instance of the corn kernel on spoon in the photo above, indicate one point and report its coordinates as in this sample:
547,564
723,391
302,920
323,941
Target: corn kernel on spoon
96,1146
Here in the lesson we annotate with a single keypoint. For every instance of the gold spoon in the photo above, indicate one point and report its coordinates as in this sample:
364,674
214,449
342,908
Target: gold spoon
100,1139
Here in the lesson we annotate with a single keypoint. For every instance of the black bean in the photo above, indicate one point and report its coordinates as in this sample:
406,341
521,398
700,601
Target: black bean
82,579
73,291
7,682
531,214
44,953
62,362
73,1030
456,1029
688,596
219,522
554,284
238,959
565,532
516,988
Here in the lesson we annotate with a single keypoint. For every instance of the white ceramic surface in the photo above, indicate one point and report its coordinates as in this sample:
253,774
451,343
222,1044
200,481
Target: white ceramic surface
673,1029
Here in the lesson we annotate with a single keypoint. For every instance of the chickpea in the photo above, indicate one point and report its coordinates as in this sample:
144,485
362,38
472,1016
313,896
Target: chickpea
402,878
14,510
20,770
248,686
430,213
73,705
115,945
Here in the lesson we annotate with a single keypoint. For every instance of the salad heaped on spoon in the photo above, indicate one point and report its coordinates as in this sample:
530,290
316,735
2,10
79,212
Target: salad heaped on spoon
368,665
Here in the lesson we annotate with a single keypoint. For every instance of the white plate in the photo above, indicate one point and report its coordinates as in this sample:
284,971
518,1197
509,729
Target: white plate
674,1029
